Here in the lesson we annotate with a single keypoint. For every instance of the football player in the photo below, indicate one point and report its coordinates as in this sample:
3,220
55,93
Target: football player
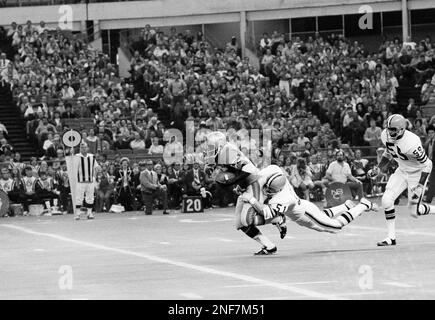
281,199
413,170
240,173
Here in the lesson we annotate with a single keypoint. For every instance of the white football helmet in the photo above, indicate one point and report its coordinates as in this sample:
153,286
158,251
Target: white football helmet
214,143
396,126
274,184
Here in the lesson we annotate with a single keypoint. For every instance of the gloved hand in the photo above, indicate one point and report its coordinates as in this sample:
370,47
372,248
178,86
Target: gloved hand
238,190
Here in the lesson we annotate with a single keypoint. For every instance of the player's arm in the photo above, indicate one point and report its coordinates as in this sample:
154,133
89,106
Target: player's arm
420,155
268,211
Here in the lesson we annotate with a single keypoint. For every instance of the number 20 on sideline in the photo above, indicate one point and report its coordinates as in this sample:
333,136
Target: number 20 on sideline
192,205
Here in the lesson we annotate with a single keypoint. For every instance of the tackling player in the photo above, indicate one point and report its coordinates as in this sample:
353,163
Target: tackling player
243,174
414,167
282,199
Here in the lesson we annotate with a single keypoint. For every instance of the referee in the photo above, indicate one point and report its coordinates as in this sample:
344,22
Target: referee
85,165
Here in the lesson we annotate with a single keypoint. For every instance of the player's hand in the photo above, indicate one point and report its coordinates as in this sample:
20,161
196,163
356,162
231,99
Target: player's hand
416,192
374,172
238,190
245,198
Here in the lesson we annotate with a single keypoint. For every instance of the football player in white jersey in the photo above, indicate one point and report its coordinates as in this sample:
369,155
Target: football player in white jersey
414,168
245,177
281,199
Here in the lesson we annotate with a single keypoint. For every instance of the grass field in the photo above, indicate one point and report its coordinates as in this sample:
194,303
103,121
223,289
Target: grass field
202,256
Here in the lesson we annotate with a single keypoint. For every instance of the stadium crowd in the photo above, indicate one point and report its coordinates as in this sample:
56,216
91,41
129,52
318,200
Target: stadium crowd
315,96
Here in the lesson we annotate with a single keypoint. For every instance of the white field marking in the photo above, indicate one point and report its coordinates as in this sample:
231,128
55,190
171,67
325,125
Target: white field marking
289,237
288,283
190,295
351,235
203,269
398,284
39,250
204,221
362,293
132,218
164,242
404,231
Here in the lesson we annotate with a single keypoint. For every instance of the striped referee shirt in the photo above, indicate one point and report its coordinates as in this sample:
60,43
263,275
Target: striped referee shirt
85,167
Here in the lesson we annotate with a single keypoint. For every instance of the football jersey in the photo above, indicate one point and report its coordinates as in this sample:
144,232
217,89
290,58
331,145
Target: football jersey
407,151
46,184
29,183
281,201
6,185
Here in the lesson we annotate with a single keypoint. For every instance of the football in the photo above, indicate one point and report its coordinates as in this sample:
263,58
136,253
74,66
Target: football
225,178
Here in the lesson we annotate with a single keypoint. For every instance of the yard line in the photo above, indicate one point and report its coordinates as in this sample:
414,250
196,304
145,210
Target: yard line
164,242
289,237
288,283
190,295
362,293
398,284
39,250
203,269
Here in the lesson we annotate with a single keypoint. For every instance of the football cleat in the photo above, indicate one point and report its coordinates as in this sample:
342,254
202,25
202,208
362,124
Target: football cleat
264,251
76,217
91,216
387,242
370,205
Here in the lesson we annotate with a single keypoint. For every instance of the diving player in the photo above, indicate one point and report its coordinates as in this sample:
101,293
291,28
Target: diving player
282,199
244,176
414,168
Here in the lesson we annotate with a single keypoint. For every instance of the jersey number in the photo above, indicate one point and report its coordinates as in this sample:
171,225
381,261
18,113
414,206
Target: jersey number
390,147
280,208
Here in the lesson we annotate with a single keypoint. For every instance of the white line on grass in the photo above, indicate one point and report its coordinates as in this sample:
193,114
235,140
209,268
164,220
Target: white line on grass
288,283
203,269
190,295
398,284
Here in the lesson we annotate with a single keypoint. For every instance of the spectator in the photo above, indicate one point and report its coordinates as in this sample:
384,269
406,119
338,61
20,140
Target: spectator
151,189
339,171
137,143
5,147
373,134
155,148
301,178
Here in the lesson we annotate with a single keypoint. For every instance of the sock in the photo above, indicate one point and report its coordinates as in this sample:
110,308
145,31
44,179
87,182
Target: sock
47,204
77,210
332,212
425,209
89,210
264,241
55,202
390,215
348,216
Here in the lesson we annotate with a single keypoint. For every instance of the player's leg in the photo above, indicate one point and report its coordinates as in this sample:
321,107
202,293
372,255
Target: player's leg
416,206
395,186
90,190
80,197
268,247
334,224
334,211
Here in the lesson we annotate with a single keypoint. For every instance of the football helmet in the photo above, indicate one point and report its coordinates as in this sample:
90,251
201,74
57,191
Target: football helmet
274,184
214,143
396,126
